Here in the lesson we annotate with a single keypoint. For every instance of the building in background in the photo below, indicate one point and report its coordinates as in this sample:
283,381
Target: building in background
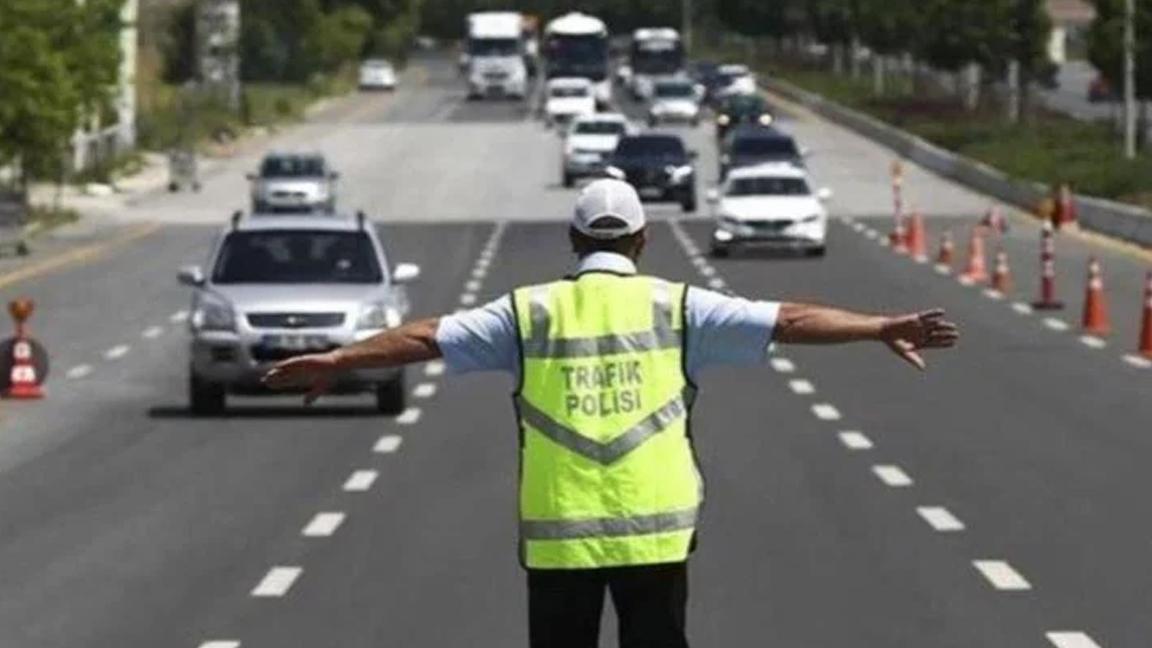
1070,22
104,140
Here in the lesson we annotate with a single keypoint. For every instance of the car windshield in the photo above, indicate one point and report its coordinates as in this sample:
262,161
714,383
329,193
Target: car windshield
568,91
292,167
674,90
768,187
778,147
745,104
377,65
297,257
651,147
494,47
598,128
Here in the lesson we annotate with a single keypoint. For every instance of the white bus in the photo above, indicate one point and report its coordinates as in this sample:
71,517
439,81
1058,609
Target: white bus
655,52
576,45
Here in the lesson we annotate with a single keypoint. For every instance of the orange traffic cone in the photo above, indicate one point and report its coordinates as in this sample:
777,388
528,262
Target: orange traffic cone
1095,318
944,257
1146,325
977,269
917,244
994,220
23,382
1047,300
1001,275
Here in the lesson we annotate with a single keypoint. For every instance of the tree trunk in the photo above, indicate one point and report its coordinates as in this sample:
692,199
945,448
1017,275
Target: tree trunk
837,52
854,54
1014,102
878,75
972,80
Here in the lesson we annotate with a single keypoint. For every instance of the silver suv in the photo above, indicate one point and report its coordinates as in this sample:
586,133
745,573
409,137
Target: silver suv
281,286
293,183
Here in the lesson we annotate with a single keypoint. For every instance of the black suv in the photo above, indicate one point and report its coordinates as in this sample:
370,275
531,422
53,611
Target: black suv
749,145
658,166
737,109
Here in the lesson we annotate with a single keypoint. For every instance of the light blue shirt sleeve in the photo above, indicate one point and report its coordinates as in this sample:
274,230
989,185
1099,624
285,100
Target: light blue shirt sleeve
721,330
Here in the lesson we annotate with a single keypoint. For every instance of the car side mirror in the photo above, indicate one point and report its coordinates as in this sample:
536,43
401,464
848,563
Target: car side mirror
713,195
191,276
405,273
825,194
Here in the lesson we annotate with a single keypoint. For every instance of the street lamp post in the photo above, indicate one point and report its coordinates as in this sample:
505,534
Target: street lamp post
1130,79
686,23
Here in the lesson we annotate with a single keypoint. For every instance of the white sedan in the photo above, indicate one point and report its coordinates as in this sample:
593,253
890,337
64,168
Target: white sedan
566,98
588,143
770,205
377,74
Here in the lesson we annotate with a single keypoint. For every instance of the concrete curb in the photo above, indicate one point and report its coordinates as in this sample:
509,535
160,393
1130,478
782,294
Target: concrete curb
1127,222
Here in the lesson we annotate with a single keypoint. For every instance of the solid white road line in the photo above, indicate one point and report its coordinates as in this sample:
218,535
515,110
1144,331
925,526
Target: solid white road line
717,284
940,518
77,372
1071,639
153,332
1001,575
424,390
1022,308
783,365
1140,362
323,525
1093,342
893,476
802,387
409,416
221,643
826,412
360,481
1055,324
277,582
117,352
434,368
854,440
179,316
387,444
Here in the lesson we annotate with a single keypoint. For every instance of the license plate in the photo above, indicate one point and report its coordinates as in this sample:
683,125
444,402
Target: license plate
296,342
651,192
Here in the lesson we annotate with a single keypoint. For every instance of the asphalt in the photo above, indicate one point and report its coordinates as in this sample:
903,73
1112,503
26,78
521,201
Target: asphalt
126,522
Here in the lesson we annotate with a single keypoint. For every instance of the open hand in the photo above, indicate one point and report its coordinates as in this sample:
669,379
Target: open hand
907,334
314,371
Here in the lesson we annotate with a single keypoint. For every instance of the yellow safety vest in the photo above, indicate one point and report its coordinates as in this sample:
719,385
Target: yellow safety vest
608,475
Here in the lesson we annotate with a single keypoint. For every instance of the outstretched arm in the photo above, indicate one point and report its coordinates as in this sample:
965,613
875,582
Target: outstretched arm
414,342
905,335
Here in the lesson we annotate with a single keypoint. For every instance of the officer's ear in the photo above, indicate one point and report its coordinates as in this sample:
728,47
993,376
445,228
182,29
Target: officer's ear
641,240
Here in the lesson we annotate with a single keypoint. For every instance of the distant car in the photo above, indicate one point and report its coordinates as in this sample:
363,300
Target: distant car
566,98
769,205
377,74
730,78
588,143
658,165
674,100
279,287
737,109
293,183
753,144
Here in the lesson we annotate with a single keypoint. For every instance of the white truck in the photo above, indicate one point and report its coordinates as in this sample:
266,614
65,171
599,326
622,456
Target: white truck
495,55
576,45
656,53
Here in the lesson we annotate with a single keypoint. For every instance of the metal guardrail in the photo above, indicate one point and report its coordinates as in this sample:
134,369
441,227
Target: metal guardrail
1115,219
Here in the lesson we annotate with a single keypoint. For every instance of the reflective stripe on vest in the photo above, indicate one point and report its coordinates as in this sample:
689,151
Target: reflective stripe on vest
609,527
662,335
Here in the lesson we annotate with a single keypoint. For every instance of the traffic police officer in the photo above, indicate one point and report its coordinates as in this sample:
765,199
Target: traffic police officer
606,362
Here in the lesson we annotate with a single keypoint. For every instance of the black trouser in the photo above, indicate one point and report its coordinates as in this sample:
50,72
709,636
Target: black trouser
564,606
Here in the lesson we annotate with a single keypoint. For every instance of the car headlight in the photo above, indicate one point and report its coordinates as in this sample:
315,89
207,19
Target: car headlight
766,119
378,316
213,313
723,120
679,173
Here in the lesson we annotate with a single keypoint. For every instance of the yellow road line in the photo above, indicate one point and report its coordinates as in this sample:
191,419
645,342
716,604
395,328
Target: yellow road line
76,256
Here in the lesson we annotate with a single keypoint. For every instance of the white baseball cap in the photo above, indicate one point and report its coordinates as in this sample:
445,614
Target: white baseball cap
612,202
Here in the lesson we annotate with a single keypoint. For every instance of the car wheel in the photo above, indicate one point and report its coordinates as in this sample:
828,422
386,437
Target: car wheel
206,398
816,252
391,397
652,122
688,204
568,180
721,251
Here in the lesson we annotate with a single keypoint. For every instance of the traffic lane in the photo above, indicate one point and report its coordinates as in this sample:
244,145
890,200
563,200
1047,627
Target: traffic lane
793,527
1035,441
178,515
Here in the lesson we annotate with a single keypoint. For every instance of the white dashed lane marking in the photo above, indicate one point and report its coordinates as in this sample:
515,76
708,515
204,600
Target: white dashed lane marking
708,271
424,390
1022,308
153,332
993,294
468,299
802,387
360,481
323,525
387,444
717,284
1093,342
117,352
1055,324
826,412
854,440
1140,362
783,365
277,582
1071,639
434,368
479,273
940,519
893,476
179,316
1002,576
221,643
77,372
409,416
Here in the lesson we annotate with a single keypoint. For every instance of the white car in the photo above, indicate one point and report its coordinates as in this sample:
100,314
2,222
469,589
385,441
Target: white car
769,205
674,100
566,98
588,143
377,74
734,78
